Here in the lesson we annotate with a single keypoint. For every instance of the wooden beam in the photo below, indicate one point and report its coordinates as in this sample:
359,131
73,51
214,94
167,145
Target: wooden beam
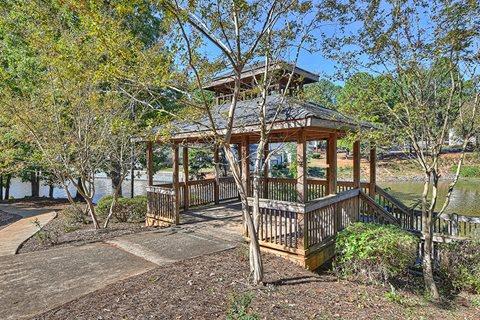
332,164
186,193
373,169
175,183
356,163
301,168
216,189
245,162
150,163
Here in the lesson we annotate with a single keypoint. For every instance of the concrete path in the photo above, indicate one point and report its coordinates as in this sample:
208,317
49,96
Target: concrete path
26,209
35,282
13,235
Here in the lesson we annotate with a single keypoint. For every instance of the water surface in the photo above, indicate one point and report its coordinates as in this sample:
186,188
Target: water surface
465,197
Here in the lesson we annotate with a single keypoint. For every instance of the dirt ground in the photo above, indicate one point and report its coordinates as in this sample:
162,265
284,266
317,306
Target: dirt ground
61,232
7,218
214,286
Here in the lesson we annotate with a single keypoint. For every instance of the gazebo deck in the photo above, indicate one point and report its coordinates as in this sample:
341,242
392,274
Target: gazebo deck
301,232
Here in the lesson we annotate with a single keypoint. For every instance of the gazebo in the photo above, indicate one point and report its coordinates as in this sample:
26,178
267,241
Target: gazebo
299,216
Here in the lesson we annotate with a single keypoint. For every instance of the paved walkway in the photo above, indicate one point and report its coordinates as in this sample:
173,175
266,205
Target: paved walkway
35,282
13,235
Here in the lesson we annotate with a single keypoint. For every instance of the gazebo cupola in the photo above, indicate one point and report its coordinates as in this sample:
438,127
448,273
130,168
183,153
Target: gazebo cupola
222,84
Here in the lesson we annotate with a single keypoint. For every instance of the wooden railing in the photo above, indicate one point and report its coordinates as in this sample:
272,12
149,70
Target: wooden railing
161,205
302,228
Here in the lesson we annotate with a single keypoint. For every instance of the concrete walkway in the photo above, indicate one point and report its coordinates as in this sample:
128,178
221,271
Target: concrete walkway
13,235
35,282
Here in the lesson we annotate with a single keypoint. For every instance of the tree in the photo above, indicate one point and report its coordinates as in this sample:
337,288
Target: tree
72,106
243,33
323,92
427,51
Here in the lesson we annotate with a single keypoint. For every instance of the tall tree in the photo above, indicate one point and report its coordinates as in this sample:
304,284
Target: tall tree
429,53
84,60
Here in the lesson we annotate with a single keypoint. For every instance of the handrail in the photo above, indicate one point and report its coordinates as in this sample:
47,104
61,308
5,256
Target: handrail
393,200
382,210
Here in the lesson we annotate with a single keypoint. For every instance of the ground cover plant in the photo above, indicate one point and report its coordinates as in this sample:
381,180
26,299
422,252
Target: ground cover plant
374,253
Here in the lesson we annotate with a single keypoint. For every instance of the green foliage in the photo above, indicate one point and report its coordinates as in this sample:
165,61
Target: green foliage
468,171
74,215
199,159
374,253
239,305
126,210
461,265
323,92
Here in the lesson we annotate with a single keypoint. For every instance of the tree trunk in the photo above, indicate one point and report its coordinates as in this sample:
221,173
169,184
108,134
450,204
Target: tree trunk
7,186
427,233
78,196
91,209
35,184
132,173
256,265
50,190
116,178
1,187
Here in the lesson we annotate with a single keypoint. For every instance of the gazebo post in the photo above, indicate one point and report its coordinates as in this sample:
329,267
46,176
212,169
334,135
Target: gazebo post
150,163
175,183
356,164
373,169
245,163
265,170
186,200
301,168
216,189
332,164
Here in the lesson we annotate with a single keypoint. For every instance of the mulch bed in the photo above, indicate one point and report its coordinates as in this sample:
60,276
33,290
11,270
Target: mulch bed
63,232
205,288
7,218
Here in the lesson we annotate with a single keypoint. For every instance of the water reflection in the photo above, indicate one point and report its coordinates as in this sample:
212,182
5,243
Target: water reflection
465,197
103,186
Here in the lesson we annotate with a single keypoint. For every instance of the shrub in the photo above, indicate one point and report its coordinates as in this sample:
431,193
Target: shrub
317,156
74,214
374,253
460,265
126,210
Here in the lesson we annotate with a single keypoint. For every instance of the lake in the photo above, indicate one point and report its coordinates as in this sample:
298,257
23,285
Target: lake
465,197
103,186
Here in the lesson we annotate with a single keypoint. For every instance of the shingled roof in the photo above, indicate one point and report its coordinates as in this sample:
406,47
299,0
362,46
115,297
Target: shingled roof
292,113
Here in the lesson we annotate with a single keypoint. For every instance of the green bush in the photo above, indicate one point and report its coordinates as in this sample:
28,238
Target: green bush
126,210
317,156
374,253
469,171
460,265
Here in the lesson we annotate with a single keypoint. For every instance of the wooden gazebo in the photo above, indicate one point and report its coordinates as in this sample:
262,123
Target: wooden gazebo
299,217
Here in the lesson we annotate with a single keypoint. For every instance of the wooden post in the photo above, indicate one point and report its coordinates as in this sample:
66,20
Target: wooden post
332,164
216,189
245,158
356,164
175,183
373,169
186,193
150,163
265,170
301,168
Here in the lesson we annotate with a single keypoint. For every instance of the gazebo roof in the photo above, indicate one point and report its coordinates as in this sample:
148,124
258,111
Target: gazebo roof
285,112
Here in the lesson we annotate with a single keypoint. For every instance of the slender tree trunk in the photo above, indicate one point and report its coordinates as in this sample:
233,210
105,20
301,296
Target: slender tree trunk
112,208
256,265
91,209
427,233
116,177
1,187
7,186
78,196
132,172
